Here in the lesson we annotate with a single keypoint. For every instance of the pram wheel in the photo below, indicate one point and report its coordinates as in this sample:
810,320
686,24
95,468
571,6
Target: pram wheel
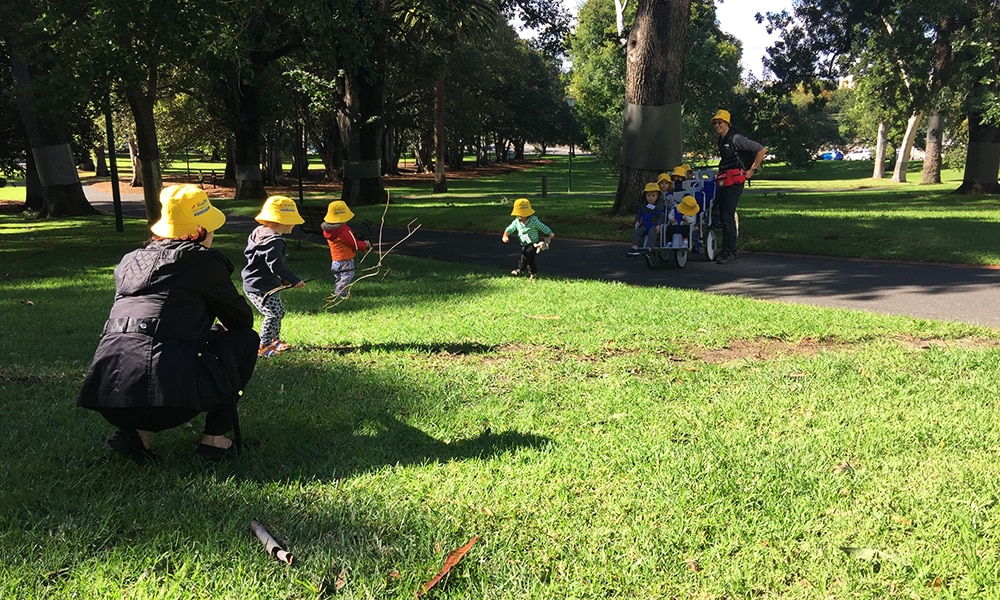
653,258
711,245
680,258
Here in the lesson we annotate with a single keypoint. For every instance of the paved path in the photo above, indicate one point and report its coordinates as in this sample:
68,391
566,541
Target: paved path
932,291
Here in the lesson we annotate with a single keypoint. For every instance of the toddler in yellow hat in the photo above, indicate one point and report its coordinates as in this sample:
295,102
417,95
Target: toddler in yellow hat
529,230
266,270
344,245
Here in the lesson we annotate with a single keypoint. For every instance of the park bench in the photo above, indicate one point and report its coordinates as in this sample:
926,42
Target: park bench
313,216
209,177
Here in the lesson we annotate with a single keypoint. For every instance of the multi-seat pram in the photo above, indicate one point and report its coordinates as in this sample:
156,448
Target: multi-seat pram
677,237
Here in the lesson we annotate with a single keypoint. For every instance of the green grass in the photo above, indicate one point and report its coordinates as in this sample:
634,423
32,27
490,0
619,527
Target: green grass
601,440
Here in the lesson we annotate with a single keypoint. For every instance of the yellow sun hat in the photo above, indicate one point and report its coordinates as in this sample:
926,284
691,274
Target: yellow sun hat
522,208
183,209
652,186
722,115
688,206
663,177
280,210
337,212
680,171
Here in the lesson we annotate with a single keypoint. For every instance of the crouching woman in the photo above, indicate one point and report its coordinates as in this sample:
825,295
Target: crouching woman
162,358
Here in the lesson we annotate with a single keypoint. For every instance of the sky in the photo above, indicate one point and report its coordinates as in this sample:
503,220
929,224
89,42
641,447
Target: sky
736,18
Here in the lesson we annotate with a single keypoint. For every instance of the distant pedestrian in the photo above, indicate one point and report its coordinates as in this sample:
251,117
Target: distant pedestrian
740,159
344,245
266,270
529,230
648,219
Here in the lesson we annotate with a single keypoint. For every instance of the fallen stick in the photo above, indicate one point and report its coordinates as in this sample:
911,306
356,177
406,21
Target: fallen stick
270,544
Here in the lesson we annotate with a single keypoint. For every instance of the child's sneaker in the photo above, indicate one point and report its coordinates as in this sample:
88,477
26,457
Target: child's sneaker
281,346
516,272
632,252
267,351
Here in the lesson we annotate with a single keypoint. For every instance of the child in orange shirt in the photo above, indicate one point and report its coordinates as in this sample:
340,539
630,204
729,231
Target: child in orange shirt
344,245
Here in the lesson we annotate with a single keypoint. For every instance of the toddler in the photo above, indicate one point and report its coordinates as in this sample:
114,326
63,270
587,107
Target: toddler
266,270
344,245
529,230
648,218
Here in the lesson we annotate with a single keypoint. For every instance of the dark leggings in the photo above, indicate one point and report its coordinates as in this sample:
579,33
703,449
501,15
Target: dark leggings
727,199
238,346
527,262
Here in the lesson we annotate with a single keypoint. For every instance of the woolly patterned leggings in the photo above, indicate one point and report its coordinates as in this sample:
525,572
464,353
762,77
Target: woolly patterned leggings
273,310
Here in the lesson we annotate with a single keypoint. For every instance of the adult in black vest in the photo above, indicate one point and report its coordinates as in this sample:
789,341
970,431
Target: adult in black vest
735,150
161,361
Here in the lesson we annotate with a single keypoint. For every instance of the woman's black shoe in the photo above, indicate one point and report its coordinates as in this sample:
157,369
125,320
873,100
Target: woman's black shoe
215,454
129,444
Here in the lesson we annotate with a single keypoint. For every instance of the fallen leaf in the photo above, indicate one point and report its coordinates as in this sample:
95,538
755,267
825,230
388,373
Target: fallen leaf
692,564
450,561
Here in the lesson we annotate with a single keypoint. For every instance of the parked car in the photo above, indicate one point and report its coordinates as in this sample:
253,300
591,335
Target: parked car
862,154
830,155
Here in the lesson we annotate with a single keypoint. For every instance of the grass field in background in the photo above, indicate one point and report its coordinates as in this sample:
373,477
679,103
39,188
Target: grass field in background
716,447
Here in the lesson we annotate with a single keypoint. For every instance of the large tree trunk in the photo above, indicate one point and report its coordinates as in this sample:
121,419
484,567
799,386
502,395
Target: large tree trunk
881,144
249,180
651,140
148,148
364,100
932,148
982,161
903,156
56,191
440,178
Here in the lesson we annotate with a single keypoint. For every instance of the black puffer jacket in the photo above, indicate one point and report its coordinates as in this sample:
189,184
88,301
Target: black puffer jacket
151,353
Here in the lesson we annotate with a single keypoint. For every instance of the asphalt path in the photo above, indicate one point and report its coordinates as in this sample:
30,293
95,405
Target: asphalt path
965,294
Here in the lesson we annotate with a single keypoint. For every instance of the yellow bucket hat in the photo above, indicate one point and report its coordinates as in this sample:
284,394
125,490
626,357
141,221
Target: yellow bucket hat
722,115
688,206
338,212
679,171
651,187
281,210
663,177
522,208
183,209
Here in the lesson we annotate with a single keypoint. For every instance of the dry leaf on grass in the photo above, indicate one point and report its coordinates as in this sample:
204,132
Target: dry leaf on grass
453,557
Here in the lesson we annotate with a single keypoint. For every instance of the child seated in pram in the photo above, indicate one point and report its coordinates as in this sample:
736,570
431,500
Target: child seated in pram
648,218
680,220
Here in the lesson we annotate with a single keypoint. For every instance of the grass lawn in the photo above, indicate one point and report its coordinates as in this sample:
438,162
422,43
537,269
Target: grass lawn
707,447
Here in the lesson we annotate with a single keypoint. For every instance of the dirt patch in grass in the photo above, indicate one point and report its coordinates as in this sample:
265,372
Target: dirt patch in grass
769,348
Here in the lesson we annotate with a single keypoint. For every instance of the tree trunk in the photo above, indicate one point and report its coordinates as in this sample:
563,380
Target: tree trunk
59,192
133,158
364,101
982,161
903,157
148,148
102,162
932,148
249,181
651,140
881,144
440,178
